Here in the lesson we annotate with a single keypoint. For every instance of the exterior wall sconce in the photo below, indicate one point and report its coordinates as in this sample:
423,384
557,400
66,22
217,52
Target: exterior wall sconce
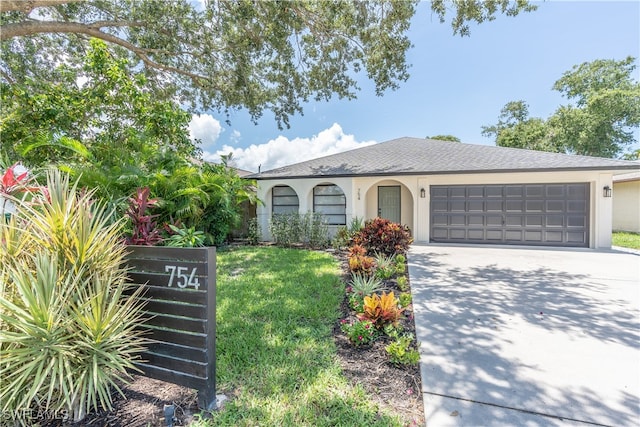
606,191
423,193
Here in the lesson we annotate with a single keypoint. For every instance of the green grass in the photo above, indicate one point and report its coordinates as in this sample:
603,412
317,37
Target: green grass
276,359
626,239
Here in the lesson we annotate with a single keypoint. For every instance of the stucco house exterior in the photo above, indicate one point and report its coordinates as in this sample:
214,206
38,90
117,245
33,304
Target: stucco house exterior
626,202
453,192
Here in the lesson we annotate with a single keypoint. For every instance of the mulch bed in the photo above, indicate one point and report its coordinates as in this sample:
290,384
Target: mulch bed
395,389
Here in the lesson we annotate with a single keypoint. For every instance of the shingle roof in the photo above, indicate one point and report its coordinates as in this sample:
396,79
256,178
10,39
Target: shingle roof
417,156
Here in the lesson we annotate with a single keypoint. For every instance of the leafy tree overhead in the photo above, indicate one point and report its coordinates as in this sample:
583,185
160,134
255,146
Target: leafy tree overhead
600,123
259,55
445,138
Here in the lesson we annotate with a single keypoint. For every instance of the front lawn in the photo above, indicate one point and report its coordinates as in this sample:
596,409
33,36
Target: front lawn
276,358
626,239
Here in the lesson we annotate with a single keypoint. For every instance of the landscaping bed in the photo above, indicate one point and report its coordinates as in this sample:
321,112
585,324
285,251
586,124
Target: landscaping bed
355,385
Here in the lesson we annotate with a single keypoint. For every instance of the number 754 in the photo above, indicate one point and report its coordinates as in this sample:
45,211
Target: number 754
181,278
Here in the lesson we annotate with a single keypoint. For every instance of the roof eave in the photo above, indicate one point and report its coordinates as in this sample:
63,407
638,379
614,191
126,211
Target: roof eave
462,171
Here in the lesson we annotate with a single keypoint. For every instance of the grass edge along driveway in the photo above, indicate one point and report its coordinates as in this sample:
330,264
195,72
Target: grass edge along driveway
276,359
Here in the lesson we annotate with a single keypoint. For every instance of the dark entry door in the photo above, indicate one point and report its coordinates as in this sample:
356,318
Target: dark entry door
389,202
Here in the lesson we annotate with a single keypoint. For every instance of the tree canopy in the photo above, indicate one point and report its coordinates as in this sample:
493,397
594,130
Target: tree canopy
258,55
600,122
451,138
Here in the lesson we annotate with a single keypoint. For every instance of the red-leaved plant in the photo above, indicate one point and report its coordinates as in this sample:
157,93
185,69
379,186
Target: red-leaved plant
144,229
382,236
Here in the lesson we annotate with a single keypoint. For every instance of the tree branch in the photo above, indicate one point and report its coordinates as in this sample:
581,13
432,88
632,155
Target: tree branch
43,27
27,6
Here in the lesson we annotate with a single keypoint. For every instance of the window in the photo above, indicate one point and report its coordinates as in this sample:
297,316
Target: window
330,201
284,200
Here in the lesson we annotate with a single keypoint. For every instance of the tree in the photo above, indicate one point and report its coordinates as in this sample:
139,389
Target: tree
47,122
445,138
259,55
601,123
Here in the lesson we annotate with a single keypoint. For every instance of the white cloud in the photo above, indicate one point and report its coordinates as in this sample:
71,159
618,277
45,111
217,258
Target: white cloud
235,136
282,151
205,128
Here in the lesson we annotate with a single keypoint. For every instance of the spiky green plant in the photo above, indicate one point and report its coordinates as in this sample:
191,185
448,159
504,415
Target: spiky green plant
68,332
363,284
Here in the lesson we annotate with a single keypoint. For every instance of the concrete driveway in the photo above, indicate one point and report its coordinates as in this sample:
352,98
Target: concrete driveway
527,337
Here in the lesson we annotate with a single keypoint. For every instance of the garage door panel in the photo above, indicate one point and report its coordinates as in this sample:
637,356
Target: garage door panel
555,191
457,206
530,214
531,236
494,235
458,233
534,191
576,237
513,235
439,206
553,236
475,206
476,220
533,221
576,206
494,220
458,192
494,206
535,206
512,191
554,206
514,221
475,234
514,205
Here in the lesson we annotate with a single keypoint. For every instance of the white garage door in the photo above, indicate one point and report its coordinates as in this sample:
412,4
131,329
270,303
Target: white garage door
518,214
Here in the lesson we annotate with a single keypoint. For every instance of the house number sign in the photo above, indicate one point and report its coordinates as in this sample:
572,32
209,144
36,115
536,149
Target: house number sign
181,278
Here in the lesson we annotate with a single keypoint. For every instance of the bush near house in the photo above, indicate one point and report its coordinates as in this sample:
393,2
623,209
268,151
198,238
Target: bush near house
381,236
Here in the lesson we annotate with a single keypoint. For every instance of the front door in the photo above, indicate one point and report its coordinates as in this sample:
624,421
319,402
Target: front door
389,202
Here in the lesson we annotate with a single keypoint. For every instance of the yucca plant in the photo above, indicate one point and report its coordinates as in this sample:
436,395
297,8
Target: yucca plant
385,266
68,332
364,285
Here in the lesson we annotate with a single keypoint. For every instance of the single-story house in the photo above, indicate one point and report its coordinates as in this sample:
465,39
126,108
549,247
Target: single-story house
453,192
626,202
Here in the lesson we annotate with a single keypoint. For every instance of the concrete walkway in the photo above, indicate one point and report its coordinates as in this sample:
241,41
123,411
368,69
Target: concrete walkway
527,337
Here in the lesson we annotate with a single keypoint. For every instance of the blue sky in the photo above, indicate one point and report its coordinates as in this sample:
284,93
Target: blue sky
457,84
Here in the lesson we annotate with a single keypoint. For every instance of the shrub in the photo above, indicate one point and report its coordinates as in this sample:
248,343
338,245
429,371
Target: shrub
380,235
359,332
400,261
287,229
68,335
400,353
403,283
254,234
385,266
359,262
382,309
185,237
405,299
345,234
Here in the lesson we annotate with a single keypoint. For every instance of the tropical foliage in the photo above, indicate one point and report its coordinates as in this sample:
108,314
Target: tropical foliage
67,332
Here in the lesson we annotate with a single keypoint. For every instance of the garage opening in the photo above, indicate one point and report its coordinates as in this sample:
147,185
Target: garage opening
516,214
